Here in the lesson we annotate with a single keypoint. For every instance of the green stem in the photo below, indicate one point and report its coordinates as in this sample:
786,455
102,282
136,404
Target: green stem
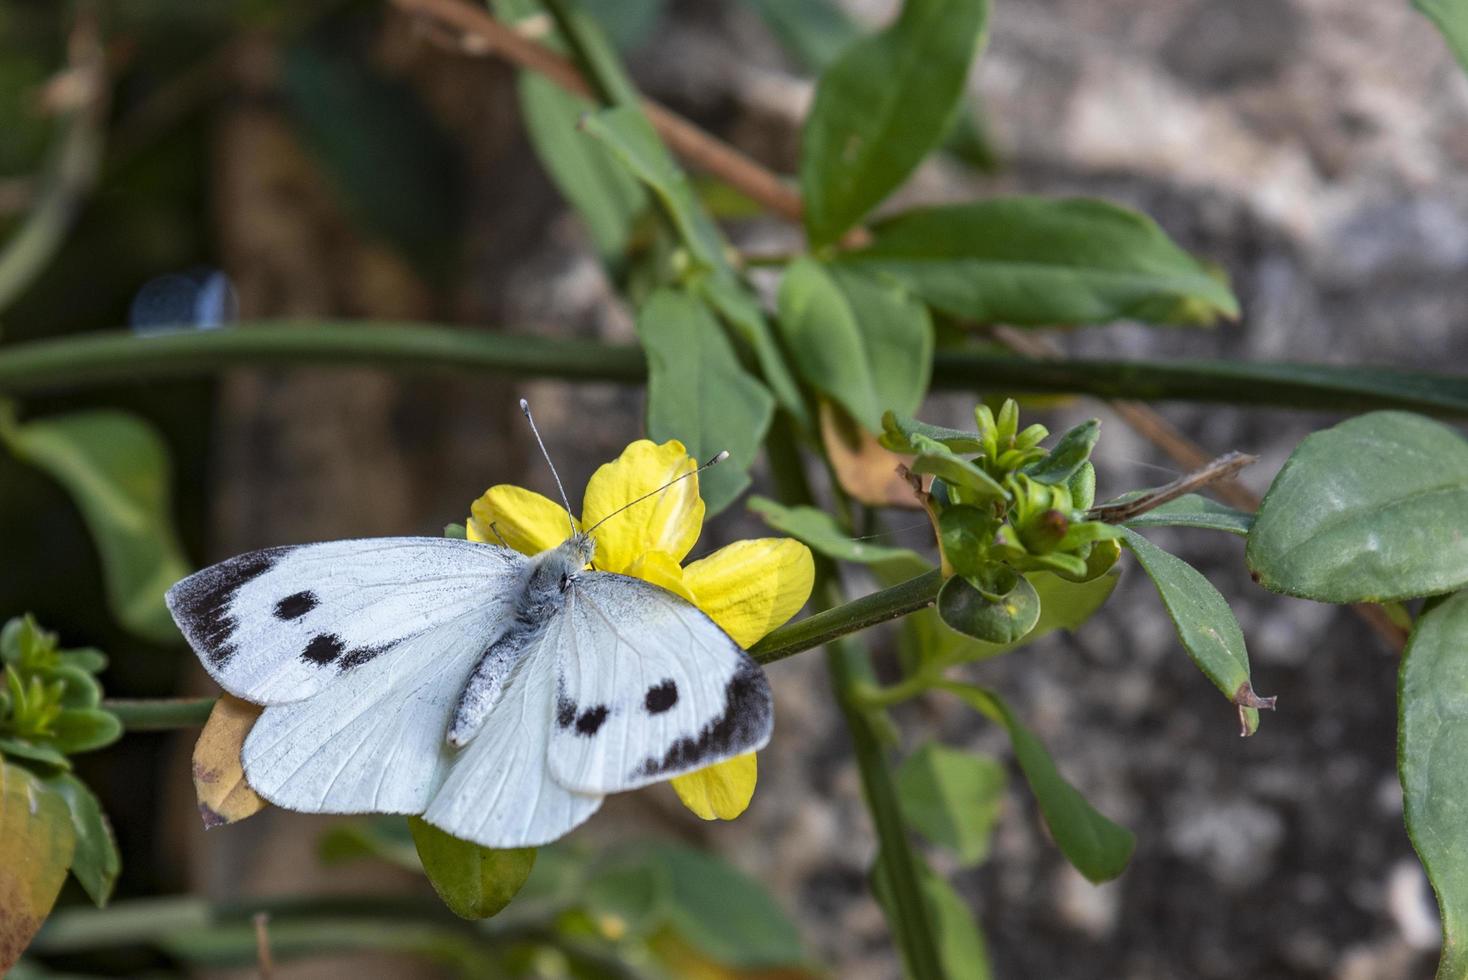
160,714
120,356
851,673
850,617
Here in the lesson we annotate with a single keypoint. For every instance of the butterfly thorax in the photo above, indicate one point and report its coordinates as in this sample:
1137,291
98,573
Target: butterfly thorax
549,576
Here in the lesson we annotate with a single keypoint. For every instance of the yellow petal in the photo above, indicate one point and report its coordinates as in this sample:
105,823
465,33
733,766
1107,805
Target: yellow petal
525,520
662,569
720,792
668,522
750,587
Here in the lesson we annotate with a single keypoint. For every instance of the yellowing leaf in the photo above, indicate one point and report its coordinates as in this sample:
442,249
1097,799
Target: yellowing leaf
219,779
863,467
36,846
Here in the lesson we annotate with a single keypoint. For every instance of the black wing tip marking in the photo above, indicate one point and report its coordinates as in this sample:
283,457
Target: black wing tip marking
748,715
200,603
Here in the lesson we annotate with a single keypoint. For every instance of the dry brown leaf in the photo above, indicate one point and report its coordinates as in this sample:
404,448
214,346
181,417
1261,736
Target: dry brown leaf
219,780
864,468
36,845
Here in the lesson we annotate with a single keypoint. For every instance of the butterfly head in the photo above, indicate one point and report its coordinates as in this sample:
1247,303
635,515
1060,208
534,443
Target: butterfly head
558,567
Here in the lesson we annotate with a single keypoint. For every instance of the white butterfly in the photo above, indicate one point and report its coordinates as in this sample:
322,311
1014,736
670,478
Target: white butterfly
499,696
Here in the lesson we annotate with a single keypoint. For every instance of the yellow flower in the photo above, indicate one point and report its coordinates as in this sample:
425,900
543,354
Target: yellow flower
748,588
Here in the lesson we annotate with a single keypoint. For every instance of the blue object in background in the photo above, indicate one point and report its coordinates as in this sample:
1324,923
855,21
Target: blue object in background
201,298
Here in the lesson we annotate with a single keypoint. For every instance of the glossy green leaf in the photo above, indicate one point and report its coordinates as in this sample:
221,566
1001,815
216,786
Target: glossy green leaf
1371,510
962,607
36,847
1432,760
474,882
699,393
952,798
966,534
882,106
1039,261
35,750
1096,847
1205,625
632,141
1071,453
863,343
95,863
724,913
961,947
822,534
606,197
812,32
967,481
1192,510
117,470
1451,17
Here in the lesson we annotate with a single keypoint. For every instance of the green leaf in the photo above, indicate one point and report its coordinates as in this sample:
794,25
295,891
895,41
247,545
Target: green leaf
1432,760
1096,847
474,882
820,531
85,729
633,895
961,947
733,302
952,798
699,393
1451,17
117,470
863,343
1192,510
95,863
456,531
1071,453
882,106
36,847
606,197
812,32
959,473
727,915
1205,624
898,434
1005,621
1036,261
635,144
24,748
1371,510
626,22
394,167
386,838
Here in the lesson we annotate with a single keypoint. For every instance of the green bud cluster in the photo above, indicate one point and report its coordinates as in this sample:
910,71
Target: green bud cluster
50,705
1005,505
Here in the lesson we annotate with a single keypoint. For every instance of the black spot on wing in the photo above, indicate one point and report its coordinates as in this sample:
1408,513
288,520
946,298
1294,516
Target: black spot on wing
295,606
591,720
323,649
361,655
661,697
746,718
565,710
200,604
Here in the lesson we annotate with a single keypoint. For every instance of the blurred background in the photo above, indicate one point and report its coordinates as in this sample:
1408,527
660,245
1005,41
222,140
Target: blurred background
334,159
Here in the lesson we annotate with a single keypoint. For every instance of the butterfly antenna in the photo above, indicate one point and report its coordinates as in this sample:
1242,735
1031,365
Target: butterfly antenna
525,407
723,455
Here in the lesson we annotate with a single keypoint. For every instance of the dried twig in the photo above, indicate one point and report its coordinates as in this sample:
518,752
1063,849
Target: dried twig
1221,468
263,959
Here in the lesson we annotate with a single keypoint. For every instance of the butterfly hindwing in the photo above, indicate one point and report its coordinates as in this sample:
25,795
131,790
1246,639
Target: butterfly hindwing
276,625
498,792
647,687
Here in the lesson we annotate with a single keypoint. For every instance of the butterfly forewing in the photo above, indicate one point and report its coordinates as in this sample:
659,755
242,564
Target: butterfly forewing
371,741
276,625
647,687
